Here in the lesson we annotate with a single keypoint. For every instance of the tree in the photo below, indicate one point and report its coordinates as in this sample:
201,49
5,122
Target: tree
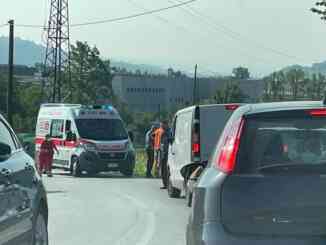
296,80
230,93
275,86
91,77
241,73
27,107
320,9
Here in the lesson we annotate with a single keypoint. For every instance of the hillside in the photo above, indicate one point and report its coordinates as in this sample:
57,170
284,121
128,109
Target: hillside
314,68
26,52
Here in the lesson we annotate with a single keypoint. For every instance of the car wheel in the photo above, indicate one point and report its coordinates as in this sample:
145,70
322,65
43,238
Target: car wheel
40,230
172,191
76,171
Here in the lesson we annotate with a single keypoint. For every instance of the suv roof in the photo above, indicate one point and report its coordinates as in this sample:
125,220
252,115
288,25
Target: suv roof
279,106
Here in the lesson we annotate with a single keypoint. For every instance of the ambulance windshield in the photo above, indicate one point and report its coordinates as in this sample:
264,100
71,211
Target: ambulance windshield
101,129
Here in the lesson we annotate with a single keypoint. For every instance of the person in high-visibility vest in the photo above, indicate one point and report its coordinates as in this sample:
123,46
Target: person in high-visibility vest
157,148
164,145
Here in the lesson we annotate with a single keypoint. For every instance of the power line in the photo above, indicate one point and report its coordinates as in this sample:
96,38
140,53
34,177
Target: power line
183,28
135,15
118,18
231,33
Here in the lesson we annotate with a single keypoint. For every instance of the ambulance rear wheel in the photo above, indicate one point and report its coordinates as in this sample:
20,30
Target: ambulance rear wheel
76,171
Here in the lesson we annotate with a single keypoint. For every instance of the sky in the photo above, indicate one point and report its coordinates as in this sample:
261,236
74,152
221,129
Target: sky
262,35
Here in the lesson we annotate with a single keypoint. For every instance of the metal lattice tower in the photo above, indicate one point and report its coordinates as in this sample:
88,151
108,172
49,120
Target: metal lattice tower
56,73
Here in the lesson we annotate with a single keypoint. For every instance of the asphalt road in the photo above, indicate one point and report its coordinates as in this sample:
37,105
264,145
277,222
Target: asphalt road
112,210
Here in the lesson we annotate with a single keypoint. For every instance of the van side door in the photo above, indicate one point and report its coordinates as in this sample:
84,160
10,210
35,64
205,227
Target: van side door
68,143
171,156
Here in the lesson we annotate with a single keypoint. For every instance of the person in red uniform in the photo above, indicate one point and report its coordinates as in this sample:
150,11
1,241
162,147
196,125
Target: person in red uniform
46,156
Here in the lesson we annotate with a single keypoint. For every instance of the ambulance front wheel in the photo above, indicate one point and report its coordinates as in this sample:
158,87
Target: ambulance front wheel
128,168
75,169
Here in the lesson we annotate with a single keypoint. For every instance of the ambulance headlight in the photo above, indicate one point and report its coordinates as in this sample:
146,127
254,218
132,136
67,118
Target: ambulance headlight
88,146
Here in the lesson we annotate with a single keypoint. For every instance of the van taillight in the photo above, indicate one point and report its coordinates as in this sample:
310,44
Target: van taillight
229,147
195,148
232,107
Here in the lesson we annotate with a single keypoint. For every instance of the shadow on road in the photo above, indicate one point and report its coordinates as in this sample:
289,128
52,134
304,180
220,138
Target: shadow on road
55,192
107,175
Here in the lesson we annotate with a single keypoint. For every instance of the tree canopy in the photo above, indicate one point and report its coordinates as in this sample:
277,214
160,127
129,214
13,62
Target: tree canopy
241,73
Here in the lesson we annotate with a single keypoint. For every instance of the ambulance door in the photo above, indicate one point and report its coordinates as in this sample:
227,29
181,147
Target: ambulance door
57,135
68,143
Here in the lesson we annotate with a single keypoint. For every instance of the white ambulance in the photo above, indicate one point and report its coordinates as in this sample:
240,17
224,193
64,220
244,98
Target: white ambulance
90,139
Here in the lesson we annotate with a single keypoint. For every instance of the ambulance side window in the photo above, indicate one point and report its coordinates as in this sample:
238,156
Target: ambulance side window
68,126
57,129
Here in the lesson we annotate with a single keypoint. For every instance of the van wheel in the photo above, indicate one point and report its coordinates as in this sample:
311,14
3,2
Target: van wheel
172,191
189,198
76,171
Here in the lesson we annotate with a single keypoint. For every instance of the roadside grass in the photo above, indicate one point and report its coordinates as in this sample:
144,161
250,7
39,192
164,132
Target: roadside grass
140,168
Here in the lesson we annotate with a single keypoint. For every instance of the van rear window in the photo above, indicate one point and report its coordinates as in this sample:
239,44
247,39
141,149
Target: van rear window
283,145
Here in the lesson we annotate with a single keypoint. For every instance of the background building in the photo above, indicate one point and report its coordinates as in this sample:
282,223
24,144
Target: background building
145,93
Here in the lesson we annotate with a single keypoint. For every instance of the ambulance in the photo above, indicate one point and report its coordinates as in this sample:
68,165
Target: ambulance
90,139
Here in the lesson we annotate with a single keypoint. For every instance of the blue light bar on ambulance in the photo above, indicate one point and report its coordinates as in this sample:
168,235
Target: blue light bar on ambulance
107,107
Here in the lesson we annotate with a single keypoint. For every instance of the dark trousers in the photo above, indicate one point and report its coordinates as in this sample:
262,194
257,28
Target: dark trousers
150,162
164,168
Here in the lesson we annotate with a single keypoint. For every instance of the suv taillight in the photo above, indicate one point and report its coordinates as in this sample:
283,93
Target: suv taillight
229,146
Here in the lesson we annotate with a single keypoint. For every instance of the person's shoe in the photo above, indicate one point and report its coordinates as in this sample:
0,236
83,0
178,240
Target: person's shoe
163,187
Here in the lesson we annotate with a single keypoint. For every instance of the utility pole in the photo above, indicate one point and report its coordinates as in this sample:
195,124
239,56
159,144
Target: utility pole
10,93
57,55
195,87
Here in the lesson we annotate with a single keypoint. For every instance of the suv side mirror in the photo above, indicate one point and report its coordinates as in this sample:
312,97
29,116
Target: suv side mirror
131,136
5,151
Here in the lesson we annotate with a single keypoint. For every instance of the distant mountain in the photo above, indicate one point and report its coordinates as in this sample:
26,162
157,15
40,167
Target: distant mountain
151,69
313,69
25,53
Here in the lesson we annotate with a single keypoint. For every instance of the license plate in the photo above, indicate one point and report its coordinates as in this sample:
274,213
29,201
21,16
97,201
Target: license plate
113,165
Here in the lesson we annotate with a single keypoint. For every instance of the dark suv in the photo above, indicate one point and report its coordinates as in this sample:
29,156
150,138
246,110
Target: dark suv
23,202
266,182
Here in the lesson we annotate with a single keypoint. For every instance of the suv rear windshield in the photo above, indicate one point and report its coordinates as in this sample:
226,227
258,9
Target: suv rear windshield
101,129
283,144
